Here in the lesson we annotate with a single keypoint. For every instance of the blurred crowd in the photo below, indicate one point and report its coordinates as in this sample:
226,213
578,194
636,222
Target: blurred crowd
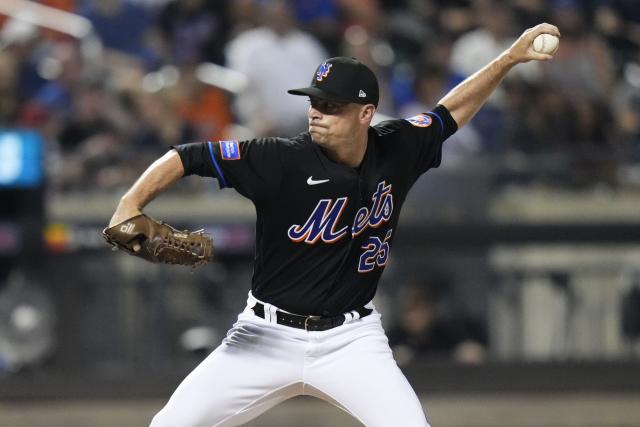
155,73
110,102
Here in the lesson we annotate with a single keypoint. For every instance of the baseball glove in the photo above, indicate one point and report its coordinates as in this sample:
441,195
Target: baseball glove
159,242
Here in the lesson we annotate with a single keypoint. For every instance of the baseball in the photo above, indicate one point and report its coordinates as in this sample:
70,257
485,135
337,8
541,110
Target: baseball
546,43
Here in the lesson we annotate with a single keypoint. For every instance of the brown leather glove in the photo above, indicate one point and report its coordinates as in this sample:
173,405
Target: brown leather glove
159,242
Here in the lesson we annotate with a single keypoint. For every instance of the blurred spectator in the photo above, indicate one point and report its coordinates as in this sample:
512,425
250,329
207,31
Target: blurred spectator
583,67
122,26
21,40
320,18
266,54
195,30
407,28
363,13
426,330
243,15
431,83
63,67
205,108
473,50
364,38
87,116
454,18
530,13
159,126
618,21
495,33
427,76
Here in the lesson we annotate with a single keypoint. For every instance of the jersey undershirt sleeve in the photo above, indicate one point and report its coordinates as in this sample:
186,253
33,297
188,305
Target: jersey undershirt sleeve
253,168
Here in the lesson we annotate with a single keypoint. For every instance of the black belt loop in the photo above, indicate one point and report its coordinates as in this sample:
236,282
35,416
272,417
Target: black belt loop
309,323
258,309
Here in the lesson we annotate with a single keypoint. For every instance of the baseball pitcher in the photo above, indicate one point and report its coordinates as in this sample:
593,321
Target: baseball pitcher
327,203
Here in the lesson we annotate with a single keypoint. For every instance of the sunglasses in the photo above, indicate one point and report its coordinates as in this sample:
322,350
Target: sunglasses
327,107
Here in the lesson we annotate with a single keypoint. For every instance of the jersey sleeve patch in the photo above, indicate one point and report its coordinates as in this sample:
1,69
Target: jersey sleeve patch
421,120
229,150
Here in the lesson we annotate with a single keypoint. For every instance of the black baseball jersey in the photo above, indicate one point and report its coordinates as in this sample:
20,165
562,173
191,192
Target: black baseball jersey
323,230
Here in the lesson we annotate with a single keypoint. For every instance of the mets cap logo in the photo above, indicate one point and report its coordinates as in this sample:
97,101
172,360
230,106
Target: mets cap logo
323,71
421,120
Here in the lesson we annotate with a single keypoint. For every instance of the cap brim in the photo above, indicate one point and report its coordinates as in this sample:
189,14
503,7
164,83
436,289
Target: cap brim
318,93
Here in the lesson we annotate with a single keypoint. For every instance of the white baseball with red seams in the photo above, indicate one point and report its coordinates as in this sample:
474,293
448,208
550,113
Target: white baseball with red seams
546,43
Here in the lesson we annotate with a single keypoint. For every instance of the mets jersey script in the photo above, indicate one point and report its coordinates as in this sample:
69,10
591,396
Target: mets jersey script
324,230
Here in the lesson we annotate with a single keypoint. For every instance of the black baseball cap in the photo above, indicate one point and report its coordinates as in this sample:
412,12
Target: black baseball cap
342,79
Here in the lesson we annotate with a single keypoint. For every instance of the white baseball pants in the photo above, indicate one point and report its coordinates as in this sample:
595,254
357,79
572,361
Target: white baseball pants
261,363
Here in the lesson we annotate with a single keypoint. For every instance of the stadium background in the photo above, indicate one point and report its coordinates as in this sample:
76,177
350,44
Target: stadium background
512,297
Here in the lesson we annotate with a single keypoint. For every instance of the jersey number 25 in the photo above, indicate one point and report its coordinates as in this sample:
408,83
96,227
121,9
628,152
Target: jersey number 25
376,253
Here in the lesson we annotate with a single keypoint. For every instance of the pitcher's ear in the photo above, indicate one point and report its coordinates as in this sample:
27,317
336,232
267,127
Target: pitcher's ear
367,112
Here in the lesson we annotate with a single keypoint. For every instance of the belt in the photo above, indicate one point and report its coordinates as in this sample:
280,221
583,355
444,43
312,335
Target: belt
309,323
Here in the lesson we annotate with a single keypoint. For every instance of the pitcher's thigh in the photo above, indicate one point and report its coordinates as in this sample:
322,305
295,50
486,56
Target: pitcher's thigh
365,381
230,387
